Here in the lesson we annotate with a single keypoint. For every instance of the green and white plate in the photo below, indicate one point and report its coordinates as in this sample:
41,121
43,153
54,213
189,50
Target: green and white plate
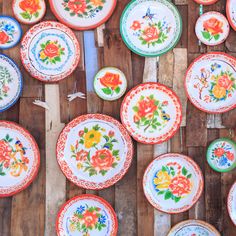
151,28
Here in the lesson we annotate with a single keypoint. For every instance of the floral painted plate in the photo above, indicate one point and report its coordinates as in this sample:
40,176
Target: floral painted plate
211,82
231,13
94,151
50,51
151,113
150,28
11,82
212,28
193,228
10,32
206,2
83,14
110,83
19,159
231,203
29,12
221,155
173,183
87,215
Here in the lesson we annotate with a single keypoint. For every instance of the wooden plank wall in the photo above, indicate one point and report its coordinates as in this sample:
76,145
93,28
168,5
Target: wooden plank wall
32,212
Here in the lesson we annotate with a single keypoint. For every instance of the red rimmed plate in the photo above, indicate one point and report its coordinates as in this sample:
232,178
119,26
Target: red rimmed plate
231,13
87,215
210,82
151,113
19,159
83,14
173,183
231,203
50,51
206,2
94,151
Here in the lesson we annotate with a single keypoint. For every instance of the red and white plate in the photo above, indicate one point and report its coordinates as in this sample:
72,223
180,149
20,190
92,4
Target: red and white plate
231,13
211,82
206,2
232,203
19,158
151,113
94,151
173,183
87,215
50,51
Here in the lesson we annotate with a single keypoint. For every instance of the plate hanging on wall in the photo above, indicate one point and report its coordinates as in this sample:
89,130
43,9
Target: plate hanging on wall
231,13
231,203
206,2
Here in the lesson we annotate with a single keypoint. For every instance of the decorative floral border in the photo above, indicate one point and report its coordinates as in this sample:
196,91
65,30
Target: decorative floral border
228,13
230,202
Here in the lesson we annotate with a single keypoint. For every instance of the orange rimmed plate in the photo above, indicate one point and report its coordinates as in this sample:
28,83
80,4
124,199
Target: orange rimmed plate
231,13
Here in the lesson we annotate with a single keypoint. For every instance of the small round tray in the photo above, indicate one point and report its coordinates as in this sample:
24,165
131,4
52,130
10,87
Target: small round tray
173,183
151,113
29,12
83,14
210,82
231,13
231,203
10,32
110,83
19,159
206,2
87,215
50,51
11,82
94,151
150,28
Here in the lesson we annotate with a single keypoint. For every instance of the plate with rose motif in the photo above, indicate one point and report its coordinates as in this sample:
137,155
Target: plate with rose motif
221,155
50,51
151,113
110,83
29,11
151,28
231,203
83,14
94,151
231,13
193,228
19,158
11,82
173,183
10,32
206,2
212,28
87,215
211,82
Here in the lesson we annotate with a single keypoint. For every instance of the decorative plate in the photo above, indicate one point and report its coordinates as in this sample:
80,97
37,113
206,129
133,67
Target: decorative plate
110,83
150,28
231,13
151,113
50,51
212,28
231,203
19,158
11,82
87,215
206,2
193,228
10,32
173,183
211,82
29,11
83,14
221,155
94,151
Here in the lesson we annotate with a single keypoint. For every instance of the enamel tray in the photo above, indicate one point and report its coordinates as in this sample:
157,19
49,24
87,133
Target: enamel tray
212,28
206,2
87,215
11,82
150,28
221,155
29,12
83,14
10,32
231,13
193,228
50,51
19,159
173,183
231,203
94,151
211,82
110,83
151,113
